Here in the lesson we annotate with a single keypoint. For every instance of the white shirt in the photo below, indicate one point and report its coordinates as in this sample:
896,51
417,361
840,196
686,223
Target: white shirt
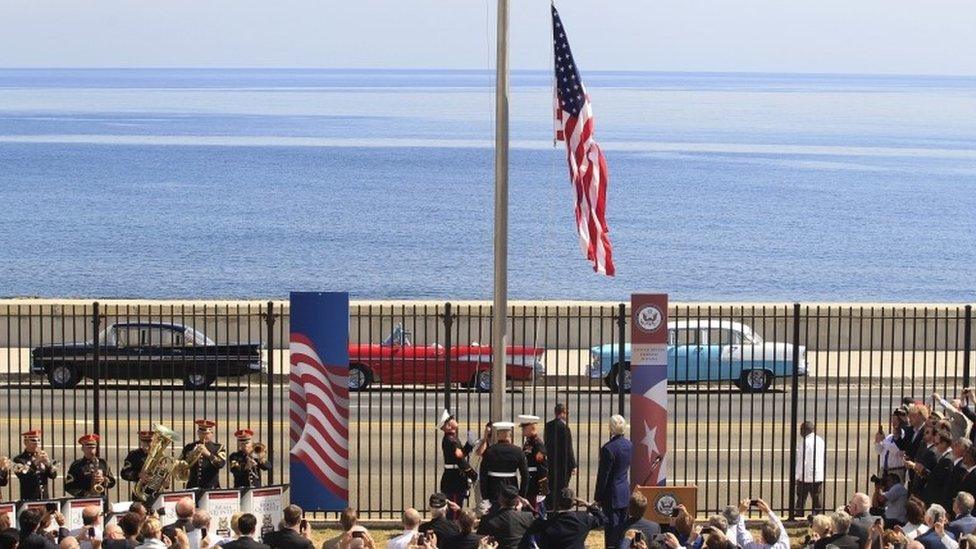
403,540
889,452
86,544
152,543
745,540
811,459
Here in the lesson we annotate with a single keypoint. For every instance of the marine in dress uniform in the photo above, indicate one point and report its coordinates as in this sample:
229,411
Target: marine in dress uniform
458,473
89,476
537,487
134,461
502,465
245,465
204,473
40,468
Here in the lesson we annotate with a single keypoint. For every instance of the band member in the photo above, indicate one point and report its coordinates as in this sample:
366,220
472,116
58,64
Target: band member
132,468
90,475
39,468
205,456
535,456
248,461
502,465
458,473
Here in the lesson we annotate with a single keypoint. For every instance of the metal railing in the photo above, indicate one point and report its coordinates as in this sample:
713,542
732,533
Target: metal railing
733,443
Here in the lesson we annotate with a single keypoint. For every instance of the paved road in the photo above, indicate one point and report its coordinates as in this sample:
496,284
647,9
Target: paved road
732,445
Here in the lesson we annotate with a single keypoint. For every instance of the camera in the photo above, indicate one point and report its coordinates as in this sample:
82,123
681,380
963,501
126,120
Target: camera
876,480
51,507
754,502
675,512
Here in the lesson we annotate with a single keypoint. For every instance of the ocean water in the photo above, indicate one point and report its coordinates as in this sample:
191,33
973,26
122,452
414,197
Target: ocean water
251,183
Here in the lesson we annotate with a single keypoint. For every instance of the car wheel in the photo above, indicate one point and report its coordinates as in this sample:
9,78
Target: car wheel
611,380
62,376
198,381
755,381
359,377
481,381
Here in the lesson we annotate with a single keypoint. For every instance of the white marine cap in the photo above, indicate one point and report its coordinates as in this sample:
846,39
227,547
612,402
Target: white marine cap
524,420
503,426
445,417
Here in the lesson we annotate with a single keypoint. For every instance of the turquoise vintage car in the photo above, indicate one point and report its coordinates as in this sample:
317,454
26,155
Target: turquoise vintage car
708,350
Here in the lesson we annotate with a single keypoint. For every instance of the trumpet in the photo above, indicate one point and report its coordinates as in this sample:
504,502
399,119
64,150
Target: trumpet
259,453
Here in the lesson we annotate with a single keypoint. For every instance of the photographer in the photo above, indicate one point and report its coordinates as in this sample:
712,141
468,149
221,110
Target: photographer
772,534
891,495
636,521
565,528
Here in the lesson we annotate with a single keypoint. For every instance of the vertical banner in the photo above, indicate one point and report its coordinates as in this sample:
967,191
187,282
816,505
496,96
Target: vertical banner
649,388
267,504
319,393
221,504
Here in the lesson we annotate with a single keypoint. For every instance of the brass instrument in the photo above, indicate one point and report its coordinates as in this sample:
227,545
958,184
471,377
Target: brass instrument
259,453
92,469
159,466
15,468
182,468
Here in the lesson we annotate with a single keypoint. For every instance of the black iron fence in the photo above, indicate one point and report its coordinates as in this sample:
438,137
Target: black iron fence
744,378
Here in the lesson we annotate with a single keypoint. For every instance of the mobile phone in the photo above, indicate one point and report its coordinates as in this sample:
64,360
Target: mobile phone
358,534
91,532
203,533
754,502
161,511
304,524
879,522
675,512
638,537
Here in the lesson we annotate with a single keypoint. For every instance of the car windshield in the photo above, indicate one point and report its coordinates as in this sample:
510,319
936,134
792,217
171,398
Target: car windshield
399,337
196,338
119,335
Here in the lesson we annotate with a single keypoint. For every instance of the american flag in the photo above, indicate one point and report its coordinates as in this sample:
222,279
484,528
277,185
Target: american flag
319,416
649,426
587,165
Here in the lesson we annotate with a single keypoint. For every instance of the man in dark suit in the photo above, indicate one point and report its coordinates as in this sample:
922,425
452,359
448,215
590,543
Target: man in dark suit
913,443
184,518
294,533
967,482
246,525
508,525
636,508
841,537
861,519
559,448
612,483
935,519
565,528
934,467
923,461
965,522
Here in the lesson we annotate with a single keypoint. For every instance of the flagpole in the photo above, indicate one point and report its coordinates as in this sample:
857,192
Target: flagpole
499,324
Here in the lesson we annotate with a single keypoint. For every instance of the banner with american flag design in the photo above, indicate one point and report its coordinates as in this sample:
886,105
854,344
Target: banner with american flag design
587,165
649,389
319,395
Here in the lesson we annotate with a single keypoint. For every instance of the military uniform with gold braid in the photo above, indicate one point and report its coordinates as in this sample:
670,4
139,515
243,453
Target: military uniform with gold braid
90,475
135,461
535,457
205,457
33,468
248,461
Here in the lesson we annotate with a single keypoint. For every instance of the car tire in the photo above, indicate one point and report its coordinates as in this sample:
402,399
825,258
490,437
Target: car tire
755,381
63,376
481,381
195,382
360,378
611,380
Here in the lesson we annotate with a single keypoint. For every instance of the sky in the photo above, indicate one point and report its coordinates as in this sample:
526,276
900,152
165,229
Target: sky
800,36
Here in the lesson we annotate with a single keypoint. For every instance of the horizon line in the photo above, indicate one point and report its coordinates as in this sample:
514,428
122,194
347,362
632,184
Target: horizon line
482,71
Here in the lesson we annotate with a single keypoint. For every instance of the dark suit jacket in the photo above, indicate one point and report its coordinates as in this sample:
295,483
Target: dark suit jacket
642,525
938,484
245,542
184,524
612,484
567,530
559,450
861,526
931,540
445,529
962,526
287,539
841,541
36,541
507,526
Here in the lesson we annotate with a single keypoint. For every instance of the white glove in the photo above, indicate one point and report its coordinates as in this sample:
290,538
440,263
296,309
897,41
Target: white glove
472,438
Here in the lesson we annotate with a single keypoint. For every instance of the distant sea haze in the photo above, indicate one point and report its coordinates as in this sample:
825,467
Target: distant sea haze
251,183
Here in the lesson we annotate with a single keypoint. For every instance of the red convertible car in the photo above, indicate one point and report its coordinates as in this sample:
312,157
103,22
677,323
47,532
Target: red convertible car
398,361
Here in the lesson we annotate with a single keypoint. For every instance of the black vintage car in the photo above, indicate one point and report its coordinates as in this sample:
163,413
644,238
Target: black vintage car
147,350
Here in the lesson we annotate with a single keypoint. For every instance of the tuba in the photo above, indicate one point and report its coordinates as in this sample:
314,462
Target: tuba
159,466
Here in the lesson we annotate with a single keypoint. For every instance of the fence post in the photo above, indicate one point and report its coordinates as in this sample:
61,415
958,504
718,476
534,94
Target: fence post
448,322
96,369
269,432
968,344
794,408
622,333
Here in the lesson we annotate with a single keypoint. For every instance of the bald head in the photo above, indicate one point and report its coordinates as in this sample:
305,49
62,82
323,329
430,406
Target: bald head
411,518
90,514
69,542
113,531
185,508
